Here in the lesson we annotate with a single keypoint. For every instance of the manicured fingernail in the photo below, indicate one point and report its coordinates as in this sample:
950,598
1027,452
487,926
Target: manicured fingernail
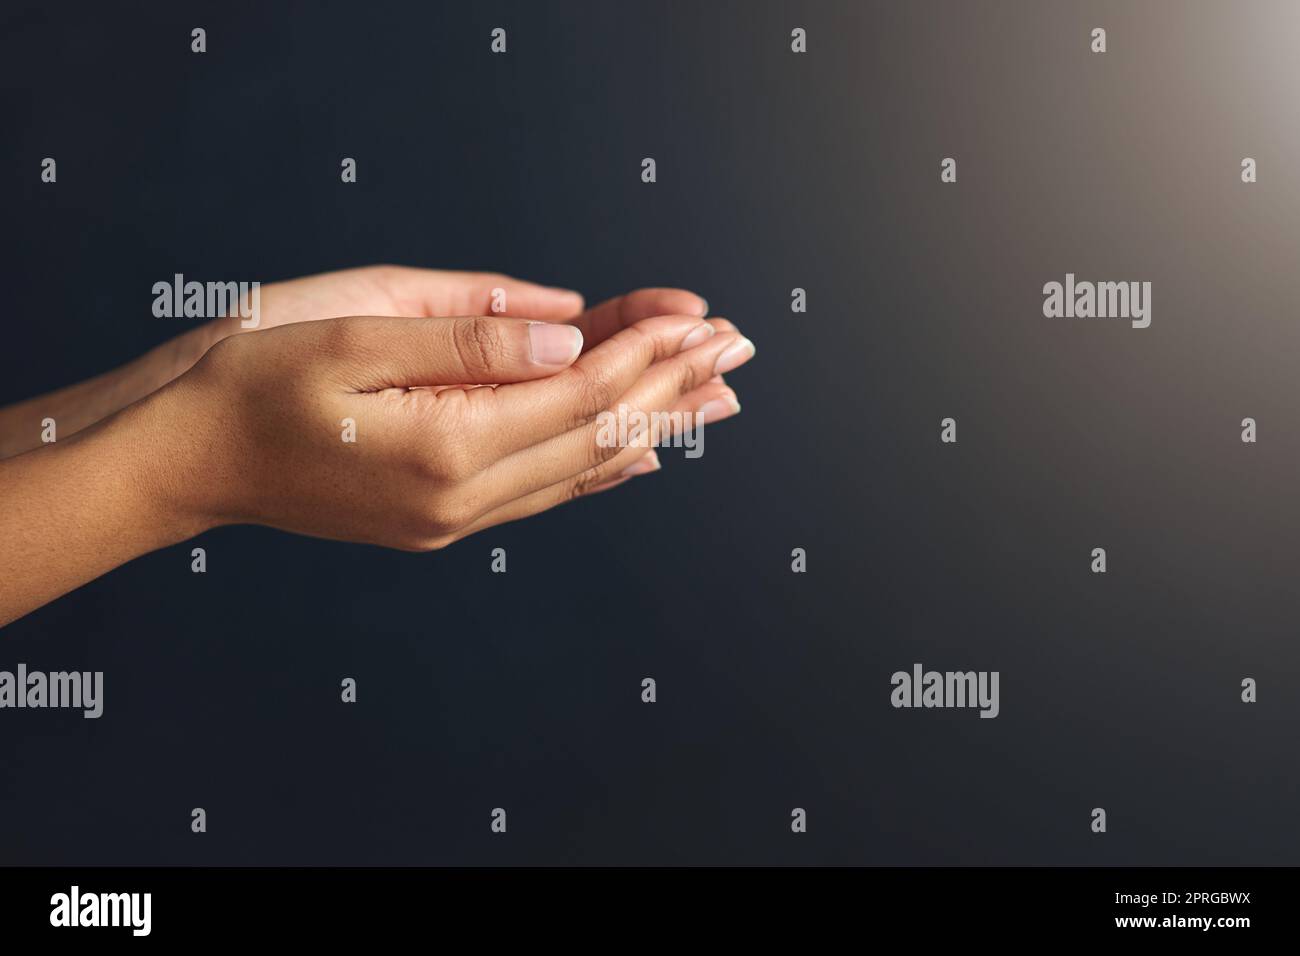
552,344
699,334
734,356
705,304
717,409
642,466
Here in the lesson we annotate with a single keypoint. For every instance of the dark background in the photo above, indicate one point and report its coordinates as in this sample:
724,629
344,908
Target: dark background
775,170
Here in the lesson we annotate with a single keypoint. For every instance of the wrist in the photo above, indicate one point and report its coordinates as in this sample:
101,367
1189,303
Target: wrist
167,463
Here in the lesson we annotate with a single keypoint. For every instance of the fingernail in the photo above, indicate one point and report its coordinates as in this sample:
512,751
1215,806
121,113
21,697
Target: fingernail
705,303
643,466
717,409
734,356
553,344
699,334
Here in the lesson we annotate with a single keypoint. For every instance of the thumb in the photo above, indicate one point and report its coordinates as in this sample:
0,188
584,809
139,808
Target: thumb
384,352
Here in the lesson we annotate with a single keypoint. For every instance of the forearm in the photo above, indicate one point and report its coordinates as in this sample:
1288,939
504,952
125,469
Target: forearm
85,403
78,508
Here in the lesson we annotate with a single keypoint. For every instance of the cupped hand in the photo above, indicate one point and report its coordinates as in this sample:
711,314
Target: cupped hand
344,428
373,290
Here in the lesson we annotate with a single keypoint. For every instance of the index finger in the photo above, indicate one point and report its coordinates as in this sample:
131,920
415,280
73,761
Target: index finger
614,315
444,292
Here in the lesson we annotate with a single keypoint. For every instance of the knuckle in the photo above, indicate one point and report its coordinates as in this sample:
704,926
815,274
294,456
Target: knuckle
598,453
229,351
445,515
479,344
659,345
688,378
584,483
646,342
430,469
447,464
457,464
573,489
596,391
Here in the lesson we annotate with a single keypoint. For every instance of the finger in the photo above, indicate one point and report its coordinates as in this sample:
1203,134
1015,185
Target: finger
439,292
721,325
607,474
661,402
647,465
522,415
378,352
613,315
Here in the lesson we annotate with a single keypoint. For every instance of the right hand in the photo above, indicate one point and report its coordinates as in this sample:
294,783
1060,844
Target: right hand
257,425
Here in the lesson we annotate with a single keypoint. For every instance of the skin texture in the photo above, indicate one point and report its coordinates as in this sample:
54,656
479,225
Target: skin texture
462,419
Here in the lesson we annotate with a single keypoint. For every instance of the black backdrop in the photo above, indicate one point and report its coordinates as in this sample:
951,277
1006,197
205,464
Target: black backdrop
775,170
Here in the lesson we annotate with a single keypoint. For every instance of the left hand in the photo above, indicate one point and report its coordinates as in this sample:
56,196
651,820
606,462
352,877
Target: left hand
400,291
437,293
